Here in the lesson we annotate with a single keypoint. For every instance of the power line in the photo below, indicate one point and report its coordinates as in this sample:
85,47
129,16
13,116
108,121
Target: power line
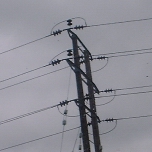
47,108
25,44
30,141
25,73
112,53
125,94
32,78
129,88
35,112
77,27
129,54
126,118
120,22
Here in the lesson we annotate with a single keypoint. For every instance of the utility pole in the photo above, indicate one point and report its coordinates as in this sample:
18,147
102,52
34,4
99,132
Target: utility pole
97,144
91,89
81,103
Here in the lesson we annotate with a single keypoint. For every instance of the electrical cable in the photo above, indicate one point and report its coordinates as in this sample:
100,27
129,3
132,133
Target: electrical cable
32,78
124,94
102,67
129,54
108,101
25,73
137,50
76,140
135,117
86,26
111,129
139,87
120,22
25,44
30,141
35,112
92,55
27,114
129,88
126,118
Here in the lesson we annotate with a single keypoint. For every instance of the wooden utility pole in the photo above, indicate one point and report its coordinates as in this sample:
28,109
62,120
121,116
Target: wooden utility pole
94,120
81,104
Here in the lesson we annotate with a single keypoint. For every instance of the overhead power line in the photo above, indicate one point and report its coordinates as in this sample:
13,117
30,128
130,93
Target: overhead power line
63,103
50,107
125,94
121,52
92,55
25,73
75,28
32,78
25,44
129,88
121,22
30,141
127,118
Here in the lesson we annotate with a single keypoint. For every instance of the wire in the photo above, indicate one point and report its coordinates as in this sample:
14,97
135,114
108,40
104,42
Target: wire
121,22
86,26
27,114
27,142
108,101
139,87
130,88
25,73
134,93
110,130
102,67
32,78
135,117
127,118
35,112
138,50
25,44
129,54
76,140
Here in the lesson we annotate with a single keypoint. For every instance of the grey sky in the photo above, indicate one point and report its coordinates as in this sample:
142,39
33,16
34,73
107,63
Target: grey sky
24,21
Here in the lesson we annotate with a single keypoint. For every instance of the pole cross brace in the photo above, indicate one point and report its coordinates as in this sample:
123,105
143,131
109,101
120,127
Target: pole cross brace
76,69
91,111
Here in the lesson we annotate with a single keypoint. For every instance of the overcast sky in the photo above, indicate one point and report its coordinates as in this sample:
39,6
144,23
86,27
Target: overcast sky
24,21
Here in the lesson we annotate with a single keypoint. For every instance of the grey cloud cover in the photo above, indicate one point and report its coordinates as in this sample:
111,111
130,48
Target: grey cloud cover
24,21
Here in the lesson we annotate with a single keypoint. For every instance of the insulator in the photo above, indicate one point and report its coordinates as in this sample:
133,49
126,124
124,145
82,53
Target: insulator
78,27
65,112
69,22
69,52
109,120
57,32
64,122
108,90
101,58
80,147
56,62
